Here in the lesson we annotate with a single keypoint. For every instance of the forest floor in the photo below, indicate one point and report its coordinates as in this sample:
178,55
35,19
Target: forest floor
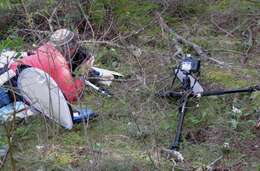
134,125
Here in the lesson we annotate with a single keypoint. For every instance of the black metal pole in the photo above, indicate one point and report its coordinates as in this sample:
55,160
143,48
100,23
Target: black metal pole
182,109
223,92
210,93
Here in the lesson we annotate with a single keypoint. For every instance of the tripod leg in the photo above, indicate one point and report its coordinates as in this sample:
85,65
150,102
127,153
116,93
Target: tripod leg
182,109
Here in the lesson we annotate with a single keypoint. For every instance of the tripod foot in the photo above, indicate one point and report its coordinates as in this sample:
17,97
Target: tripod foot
172,154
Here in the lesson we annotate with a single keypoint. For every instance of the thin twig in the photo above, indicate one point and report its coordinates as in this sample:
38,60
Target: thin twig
238,26
50,19
181,39
108,30
214,163
220,28
86,18
110,43
36,31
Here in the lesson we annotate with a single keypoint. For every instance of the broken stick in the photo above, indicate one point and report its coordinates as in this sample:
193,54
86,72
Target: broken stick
199,50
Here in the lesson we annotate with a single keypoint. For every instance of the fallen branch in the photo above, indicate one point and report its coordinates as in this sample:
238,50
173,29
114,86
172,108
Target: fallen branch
110,43
86,17
214,163
177,45
172,154
36,31
220,28
242,24
199,50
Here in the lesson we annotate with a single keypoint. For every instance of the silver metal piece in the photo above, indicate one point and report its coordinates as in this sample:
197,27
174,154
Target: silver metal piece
195,85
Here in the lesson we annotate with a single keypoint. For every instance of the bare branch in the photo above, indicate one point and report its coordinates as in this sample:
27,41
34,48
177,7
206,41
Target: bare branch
214,163
50,19
86,18
199,50
110,43
220,28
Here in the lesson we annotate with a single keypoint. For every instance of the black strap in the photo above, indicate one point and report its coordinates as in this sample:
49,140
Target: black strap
79,57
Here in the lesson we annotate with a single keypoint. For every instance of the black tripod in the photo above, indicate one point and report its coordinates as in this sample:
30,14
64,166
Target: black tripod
189,91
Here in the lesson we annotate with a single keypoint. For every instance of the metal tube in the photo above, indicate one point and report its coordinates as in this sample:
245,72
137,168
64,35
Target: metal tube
176,142
223,92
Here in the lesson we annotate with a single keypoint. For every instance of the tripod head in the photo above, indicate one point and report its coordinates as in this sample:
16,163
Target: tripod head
190,65
186,71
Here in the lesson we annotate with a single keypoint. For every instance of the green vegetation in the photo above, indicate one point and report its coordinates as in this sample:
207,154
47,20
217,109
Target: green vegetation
134,124
15,43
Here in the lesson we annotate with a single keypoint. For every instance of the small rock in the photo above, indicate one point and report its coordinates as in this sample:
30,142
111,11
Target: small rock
236,110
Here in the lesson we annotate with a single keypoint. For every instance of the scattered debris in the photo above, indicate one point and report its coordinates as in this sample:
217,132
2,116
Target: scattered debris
236,110
226,149
172,154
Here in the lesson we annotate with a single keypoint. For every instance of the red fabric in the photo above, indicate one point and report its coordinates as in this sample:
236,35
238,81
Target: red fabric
50,60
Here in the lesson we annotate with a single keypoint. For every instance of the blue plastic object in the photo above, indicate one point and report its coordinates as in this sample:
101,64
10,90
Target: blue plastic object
4,97
6,111
82,115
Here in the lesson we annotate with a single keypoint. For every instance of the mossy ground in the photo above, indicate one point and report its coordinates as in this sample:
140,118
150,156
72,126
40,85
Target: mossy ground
134,123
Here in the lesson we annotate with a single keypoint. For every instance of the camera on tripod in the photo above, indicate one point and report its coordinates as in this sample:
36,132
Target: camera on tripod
187,73
190,65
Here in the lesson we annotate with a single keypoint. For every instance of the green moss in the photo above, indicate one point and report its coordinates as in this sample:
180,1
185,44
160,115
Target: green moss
63,159
29,130
224,78
255,101
129,151
204,43
5,4
3,139
108,57
208,110
97,12
243,6
165,125
203,154
258,167
125,12
107,127
251,73
73,138
129,12
117,165
15,43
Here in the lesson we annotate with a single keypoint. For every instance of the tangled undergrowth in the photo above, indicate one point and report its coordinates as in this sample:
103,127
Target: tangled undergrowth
134,125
